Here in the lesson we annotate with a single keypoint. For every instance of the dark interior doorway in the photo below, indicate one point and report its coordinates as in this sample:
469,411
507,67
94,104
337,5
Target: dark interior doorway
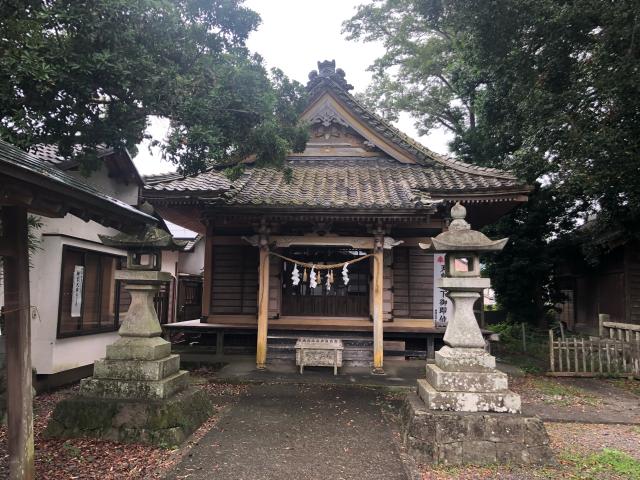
340,300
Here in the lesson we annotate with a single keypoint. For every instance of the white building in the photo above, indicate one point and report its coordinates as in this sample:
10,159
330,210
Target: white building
78,305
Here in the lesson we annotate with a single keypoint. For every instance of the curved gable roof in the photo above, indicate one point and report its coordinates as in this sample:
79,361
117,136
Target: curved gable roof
355,159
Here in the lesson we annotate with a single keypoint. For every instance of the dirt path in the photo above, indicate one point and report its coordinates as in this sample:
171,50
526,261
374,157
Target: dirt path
298,432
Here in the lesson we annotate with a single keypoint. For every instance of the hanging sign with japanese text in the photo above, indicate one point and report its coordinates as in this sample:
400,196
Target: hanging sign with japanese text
442,308
76,292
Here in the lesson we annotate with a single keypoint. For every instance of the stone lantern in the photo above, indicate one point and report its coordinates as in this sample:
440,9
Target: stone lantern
138,392
464,376
464,411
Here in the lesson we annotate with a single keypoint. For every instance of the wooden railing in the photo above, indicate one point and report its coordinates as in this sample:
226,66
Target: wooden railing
595,356
620,331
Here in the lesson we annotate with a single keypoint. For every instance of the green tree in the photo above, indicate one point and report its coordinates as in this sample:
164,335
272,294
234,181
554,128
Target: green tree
81,74
549,89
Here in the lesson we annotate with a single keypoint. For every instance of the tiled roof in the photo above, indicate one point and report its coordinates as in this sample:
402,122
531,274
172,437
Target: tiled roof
50,154
117,164
209,181
332,183
333,83
85,201
344,182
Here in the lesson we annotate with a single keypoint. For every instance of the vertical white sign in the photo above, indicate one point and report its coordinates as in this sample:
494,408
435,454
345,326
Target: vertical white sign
441,304
76,292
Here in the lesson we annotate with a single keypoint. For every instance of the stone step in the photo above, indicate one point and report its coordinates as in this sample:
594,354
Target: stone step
505,401
444,381
136,369
138,348
135,389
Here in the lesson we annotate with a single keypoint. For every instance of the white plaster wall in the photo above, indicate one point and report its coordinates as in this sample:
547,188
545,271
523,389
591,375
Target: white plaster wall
170,265
100,179
51,354
193,262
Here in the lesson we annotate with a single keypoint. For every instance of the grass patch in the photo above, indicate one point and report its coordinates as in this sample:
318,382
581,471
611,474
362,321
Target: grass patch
606,462
607,465
529,364
560,394
631,386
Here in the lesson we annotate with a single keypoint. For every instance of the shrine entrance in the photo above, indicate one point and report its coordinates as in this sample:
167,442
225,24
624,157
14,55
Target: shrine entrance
333,299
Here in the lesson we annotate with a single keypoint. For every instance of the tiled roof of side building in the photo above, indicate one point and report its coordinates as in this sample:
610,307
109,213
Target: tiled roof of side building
50,154
210,180
20,166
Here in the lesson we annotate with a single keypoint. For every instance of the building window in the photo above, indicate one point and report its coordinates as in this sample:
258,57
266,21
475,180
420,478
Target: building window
88,296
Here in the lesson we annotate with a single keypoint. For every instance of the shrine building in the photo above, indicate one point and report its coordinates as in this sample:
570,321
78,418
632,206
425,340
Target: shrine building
362,194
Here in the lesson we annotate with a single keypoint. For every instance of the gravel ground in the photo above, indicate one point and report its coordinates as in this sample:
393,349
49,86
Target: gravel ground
296,432
570,442
585,400
590,438
338,432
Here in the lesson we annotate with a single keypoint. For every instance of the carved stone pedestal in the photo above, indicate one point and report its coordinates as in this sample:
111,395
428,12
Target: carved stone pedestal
461,438
465,380
138,392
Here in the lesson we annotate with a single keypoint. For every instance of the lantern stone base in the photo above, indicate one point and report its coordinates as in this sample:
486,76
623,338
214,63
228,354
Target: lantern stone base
138,389
499,401
459,438
166,423
137,394
465,380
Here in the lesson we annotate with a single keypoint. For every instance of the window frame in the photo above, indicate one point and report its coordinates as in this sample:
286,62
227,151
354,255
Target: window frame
100,329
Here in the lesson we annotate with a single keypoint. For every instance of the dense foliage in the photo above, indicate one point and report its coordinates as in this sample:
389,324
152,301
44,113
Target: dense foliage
81,74
549,89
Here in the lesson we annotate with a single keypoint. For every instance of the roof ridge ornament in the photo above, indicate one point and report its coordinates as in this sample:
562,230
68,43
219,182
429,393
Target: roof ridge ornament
458,213
327,71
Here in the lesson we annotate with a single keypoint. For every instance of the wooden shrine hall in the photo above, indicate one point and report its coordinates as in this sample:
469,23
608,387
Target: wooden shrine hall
361,194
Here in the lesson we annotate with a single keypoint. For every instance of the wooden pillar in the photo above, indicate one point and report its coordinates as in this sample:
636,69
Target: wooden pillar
207,274
18,344
263,307
378,282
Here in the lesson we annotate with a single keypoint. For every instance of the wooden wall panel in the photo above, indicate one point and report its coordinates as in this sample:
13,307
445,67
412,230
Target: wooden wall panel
234,283
275,286
387,286
412,283
611,296
633,284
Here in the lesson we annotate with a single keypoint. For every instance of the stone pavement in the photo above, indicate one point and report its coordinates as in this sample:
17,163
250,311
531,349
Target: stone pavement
401,373
298,432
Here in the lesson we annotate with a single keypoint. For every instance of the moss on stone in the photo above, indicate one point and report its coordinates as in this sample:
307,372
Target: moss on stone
165,423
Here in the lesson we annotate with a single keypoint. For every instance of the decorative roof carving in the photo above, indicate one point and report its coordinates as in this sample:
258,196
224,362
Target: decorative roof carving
327,71
328,115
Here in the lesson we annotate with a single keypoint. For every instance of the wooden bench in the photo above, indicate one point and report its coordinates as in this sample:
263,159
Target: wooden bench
319,352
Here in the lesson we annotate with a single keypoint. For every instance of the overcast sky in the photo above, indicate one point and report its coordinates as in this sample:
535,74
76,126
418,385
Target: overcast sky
293,36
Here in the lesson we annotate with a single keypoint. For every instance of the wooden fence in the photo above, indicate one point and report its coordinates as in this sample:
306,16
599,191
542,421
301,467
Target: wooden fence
595,356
